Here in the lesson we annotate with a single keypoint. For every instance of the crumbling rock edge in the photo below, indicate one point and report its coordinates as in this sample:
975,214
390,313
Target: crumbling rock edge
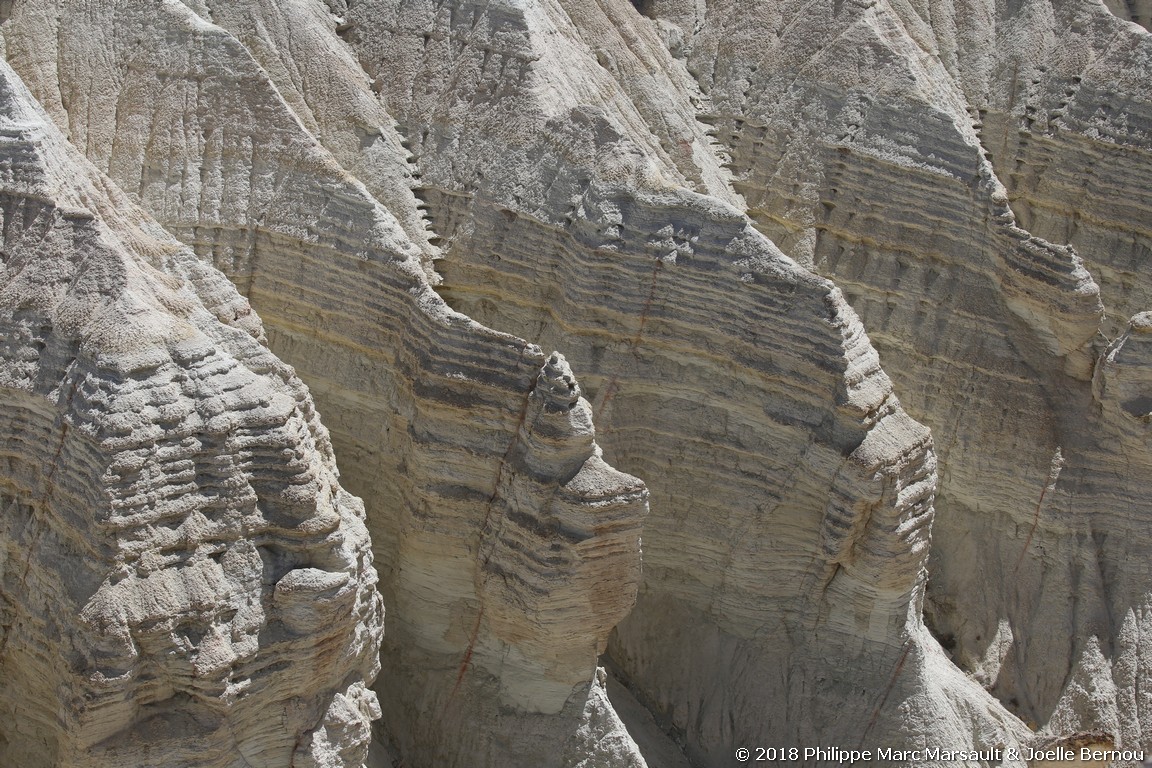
544,166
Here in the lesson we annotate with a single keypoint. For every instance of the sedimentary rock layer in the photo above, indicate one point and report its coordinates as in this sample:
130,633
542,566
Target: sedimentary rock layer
507,547
703,204
791,492
176,553
873,138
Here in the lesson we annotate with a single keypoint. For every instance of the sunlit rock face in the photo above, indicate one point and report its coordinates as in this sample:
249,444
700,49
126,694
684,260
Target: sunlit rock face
975,178
791,493
507,547
176,553
856,288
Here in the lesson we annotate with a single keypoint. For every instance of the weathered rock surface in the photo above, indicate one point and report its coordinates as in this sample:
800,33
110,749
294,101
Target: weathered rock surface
874,137
714,208
176,553
508,549
791,493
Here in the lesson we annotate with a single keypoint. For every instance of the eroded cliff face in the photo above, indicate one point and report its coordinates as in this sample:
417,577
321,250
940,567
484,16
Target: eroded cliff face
791,493
920,156
714,210
507,547
177,553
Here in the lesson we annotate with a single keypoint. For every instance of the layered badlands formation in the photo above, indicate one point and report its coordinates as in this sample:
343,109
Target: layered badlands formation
177,550
937,147
704,205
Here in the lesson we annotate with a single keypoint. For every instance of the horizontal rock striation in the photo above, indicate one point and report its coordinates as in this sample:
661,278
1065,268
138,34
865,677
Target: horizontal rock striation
507,547
175,548
792,495
1067,119
726,215
873,138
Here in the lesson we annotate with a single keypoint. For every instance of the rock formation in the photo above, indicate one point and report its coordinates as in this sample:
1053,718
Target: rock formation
508,548
791,498
856,288
176,549
876,144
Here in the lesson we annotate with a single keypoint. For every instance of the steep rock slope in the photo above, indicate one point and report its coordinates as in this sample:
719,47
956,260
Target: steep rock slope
869,136
579,201
791,493
1066,116
507,547
175,549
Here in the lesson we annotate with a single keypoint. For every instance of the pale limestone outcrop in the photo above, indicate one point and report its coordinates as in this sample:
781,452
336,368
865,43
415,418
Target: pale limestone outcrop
873,138
791,492
176,552
927,157
507,547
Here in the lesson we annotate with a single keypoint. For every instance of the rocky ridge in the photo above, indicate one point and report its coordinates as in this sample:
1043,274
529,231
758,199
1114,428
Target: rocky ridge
384,182
992,334
476,527
177,548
